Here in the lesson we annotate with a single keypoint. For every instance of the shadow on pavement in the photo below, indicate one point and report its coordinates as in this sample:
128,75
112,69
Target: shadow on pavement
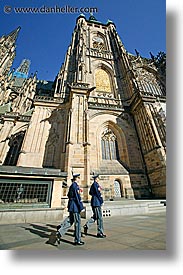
48,233
43,232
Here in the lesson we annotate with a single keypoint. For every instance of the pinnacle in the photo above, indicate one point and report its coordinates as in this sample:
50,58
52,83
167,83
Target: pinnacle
14,34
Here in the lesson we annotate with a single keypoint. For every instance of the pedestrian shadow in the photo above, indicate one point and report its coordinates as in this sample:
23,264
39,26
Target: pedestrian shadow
89,234
52,225
40,227
52,239
49,232
43,232
69,234
66,241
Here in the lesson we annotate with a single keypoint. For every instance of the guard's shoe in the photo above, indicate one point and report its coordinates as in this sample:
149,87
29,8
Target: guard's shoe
101,235
85,227
58,237
79,243
58,227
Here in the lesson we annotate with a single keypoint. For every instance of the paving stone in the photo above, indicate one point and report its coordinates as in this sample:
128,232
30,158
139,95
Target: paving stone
142,232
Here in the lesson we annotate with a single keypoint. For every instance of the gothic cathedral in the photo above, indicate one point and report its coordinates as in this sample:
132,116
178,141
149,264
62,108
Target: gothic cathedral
104,113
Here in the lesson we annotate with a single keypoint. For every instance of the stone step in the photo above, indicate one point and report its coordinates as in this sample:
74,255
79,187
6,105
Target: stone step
156,208
117,208
155,205
30,215
110,208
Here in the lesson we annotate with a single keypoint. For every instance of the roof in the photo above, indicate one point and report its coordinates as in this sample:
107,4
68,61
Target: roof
6,108
92,19
18,81
44,85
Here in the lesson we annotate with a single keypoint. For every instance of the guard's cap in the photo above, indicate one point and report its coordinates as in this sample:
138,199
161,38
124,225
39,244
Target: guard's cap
95,176
76,176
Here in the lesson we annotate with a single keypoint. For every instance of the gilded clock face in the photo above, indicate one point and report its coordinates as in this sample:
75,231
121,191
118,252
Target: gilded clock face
98,43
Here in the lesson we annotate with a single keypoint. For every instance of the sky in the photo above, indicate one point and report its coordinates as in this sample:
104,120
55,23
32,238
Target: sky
45,37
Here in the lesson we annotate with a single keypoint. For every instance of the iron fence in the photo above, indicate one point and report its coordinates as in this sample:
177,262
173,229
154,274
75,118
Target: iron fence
24,192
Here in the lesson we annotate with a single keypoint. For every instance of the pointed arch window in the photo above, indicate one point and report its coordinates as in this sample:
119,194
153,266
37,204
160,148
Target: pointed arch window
109,145
80,73
14,150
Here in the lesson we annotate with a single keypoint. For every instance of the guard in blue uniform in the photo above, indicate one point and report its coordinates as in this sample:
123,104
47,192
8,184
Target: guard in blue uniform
75,206
96,203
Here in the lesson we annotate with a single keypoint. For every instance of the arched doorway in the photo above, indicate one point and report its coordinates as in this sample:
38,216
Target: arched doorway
117,189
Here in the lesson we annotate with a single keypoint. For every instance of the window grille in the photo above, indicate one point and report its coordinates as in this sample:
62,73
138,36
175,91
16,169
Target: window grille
25,192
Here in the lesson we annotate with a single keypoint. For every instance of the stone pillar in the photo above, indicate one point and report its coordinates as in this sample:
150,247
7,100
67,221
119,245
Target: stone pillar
86,171
56,193
33,147
77,147
5,133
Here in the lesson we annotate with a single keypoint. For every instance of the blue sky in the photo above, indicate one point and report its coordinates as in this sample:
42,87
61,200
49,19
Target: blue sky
44,38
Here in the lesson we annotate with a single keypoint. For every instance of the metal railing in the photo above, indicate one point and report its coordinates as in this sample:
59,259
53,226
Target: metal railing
21,193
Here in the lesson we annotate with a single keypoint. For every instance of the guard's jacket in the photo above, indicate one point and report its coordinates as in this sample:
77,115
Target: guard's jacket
96,199
75,204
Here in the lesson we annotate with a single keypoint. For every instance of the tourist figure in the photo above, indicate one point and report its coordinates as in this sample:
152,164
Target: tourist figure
75,206
96,203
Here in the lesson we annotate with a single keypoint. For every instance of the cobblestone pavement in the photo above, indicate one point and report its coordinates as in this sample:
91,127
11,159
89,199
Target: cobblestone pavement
139,232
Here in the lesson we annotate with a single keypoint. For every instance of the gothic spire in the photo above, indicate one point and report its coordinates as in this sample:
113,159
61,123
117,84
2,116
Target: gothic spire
14,34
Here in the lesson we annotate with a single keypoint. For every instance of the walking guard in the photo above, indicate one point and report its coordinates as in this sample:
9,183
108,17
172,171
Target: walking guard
96,203
75,206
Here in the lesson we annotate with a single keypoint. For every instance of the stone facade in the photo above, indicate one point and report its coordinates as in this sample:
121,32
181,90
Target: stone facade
104,113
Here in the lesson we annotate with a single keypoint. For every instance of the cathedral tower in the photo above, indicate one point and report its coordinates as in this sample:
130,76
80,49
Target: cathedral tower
95,82
107,90
7,51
